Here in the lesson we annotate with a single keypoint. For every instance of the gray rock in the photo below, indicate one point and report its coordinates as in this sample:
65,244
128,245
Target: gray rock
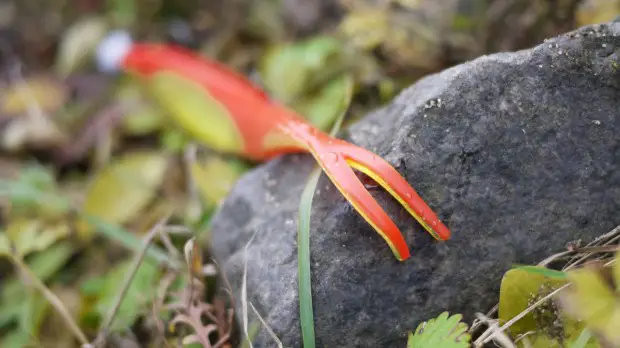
517,152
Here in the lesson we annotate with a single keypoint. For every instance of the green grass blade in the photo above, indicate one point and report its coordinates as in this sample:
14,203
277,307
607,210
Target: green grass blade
583,339
303,253
130,241
306,313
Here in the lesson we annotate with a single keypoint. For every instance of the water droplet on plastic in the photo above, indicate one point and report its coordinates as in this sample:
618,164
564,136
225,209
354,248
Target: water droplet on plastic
408,195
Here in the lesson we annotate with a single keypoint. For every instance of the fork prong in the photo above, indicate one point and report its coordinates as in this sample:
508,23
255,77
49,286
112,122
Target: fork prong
390,179
342,176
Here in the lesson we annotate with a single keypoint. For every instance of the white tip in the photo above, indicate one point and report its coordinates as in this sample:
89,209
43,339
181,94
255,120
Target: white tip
112,50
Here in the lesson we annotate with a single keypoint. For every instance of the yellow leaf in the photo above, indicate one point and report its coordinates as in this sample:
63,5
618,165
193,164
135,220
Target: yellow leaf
616,271
520,288
367,29
591,299
123,188
5,244
18,98
597,11
196,112
214,178
79,42
29,235
143,117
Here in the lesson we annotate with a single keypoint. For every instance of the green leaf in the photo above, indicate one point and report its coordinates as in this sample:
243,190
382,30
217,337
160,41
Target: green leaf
324,106
546,325
137,300
291,70
16,338
616,271
542,339
442,332
5,244
123,12
520,288
44,265
34,192
544,271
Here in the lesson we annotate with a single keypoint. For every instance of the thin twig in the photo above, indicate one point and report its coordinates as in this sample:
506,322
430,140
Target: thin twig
588,255
103,331
51,298
158,303
614,236
602,244
165,239
499,336
590,250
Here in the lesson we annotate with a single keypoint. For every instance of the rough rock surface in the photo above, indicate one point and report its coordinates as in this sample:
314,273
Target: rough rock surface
518,153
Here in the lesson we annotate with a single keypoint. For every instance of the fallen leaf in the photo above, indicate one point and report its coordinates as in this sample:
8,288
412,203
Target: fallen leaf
546,325
143,118
34,193
214,178
195,111
31,235
41,91
123,188
79,42
596,11
367,28
521,287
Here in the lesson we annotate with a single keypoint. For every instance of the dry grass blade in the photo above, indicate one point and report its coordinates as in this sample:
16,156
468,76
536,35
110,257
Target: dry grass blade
192,310
603,244
103,331
267,327
497,334
244,293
